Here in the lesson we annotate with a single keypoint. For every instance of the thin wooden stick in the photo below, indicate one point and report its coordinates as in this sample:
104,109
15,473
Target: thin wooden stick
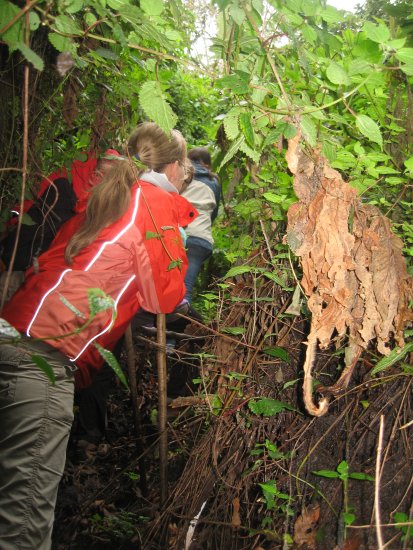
377,486
140,441
162,406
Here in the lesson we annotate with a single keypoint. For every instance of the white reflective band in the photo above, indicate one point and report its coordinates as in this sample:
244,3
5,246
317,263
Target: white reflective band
119,235
44,298
111,322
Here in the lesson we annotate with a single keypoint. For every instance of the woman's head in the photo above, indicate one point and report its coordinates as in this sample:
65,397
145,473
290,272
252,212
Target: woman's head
200,155
110,199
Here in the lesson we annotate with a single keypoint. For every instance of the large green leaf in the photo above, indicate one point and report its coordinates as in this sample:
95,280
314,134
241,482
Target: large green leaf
7,12
247,129
67,25
395,355
152,7
238,270
268,407
30,55
61,43
309,130
405,55
369,128
231,124
155,106
337,74
378,33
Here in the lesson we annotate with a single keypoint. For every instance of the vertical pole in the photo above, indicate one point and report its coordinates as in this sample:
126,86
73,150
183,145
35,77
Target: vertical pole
162,405
140,442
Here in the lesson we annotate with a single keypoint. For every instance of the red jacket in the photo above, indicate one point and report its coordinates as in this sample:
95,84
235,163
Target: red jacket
131,260
82,178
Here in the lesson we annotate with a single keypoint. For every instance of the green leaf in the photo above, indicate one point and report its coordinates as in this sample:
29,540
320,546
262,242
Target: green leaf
7,12
237,14
309,130
231,124
106,54
238,270
361,476
272,197
405,55
175,263
152,7
409,164
45,367
154,104
235,331
238,83
74,6
30,55
369,128
233,150
277,352
27,220
349,518
251,153
394,356
337,74
34,21
407,68
113,363
342,468
99,301
67,25
268,407
61,43
378,33
326,473
7,330
246,127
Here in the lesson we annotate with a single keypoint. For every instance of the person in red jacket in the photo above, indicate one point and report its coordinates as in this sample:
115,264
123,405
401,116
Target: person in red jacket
123,253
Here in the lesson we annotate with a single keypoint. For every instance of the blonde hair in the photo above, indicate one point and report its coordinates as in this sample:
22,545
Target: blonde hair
110,199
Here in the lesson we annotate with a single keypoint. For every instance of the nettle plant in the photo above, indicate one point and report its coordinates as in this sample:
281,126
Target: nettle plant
302,66
343,474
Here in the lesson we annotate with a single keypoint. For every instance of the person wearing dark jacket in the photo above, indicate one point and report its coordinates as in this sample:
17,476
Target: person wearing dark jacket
204,193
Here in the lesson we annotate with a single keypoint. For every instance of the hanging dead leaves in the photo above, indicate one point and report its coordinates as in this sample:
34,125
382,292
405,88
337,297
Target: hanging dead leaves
354,272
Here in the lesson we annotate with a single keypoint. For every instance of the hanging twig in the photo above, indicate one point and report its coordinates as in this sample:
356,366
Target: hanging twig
377,487
162,378
24,162
140,441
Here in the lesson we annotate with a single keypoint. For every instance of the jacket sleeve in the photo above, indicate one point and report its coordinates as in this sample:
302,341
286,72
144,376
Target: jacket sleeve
160,261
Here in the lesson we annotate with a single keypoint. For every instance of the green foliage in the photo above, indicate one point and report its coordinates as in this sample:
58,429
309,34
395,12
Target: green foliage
268,407
45,367
396,355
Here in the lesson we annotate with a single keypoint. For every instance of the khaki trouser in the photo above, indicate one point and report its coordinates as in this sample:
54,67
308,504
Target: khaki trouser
35,421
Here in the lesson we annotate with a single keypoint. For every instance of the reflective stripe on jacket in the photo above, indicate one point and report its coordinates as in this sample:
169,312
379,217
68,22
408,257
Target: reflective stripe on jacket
132,260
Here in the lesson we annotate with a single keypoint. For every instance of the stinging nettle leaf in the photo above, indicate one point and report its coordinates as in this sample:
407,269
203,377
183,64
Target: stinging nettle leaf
405,55
154,104
247,129
378,33
30,55
113,363
337,74
369,128
152,7
238,270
